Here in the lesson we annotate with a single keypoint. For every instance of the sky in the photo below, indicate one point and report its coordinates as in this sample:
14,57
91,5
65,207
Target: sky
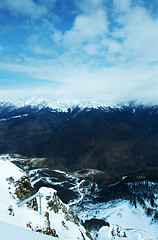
103,50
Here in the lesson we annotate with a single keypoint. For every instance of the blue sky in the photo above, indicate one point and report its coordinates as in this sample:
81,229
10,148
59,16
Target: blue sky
105,50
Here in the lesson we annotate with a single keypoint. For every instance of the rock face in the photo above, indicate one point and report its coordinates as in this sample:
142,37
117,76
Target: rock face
116,140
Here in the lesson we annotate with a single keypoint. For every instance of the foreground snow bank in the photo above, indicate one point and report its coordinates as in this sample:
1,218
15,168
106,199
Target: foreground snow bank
57,219
9,232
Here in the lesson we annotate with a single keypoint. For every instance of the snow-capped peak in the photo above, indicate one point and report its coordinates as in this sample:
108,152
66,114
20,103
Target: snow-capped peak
59,105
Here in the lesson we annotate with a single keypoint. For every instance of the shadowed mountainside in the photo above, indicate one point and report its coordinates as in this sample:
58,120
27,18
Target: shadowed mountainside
116,140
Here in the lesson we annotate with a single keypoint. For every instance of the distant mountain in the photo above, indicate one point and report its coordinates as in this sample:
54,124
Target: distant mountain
116,140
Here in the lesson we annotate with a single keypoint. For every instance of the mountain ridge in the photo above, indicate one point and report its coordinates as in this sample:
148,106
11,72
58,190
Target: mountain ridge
112,139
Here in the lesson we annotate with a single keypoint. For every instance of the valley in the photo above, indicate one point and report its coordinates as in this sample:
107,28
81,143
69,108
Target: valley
116,140
128,207
102,162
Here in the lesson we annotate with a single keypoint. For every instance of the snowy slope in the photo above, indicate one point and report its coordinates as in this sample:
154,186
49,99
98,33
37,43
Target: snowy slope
12,232
122,215
132,220
126,221
55,215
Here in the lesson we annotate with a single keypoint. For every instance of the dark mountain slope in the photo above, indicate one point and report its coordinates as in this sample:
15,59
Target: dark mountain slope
114,139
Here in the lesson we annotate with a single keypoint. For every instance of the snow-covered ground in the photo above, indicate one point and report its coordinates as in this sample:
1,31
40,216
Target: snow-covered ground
133,221
12,232
126,221
55,214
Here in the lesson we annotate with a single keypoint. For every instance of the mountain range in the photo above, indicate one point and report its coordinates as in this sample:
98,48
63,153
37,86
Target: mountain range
116,140
101,161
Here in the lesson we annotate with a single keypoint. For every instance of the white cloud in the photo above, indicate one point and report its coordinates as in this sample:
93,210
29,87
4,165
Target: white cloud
110,85
37,46
90,5
134,38
139,34
48,3
24,8
122,5
110,57
87,28
92,48
56,36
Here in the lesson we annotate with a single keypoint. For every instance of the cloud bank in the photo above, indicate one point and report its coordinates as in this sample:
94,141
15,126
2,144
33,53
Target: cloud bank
92,49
